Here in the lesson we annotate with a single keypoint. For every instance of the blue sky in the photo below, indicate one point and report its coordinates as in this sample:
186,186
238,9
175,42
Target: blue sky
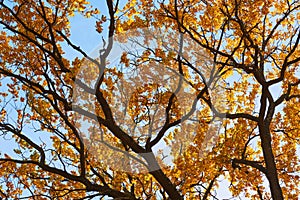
83,32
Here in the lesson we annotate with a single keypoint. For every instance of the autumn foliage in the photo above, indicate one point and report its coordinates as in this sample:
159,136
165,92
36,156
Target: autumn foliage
229,120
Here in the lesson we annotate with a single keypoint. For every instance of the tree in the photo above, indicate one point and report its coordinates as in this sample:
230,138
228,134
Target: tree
71,120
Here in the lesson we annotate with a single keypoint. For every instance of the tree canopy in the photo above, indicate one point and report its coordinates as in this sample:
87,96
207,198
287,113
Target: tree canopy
179,98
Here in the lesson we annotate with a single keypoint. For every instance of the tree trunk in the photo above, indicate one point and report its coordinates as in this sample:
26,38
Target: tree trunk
163,180
271,174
